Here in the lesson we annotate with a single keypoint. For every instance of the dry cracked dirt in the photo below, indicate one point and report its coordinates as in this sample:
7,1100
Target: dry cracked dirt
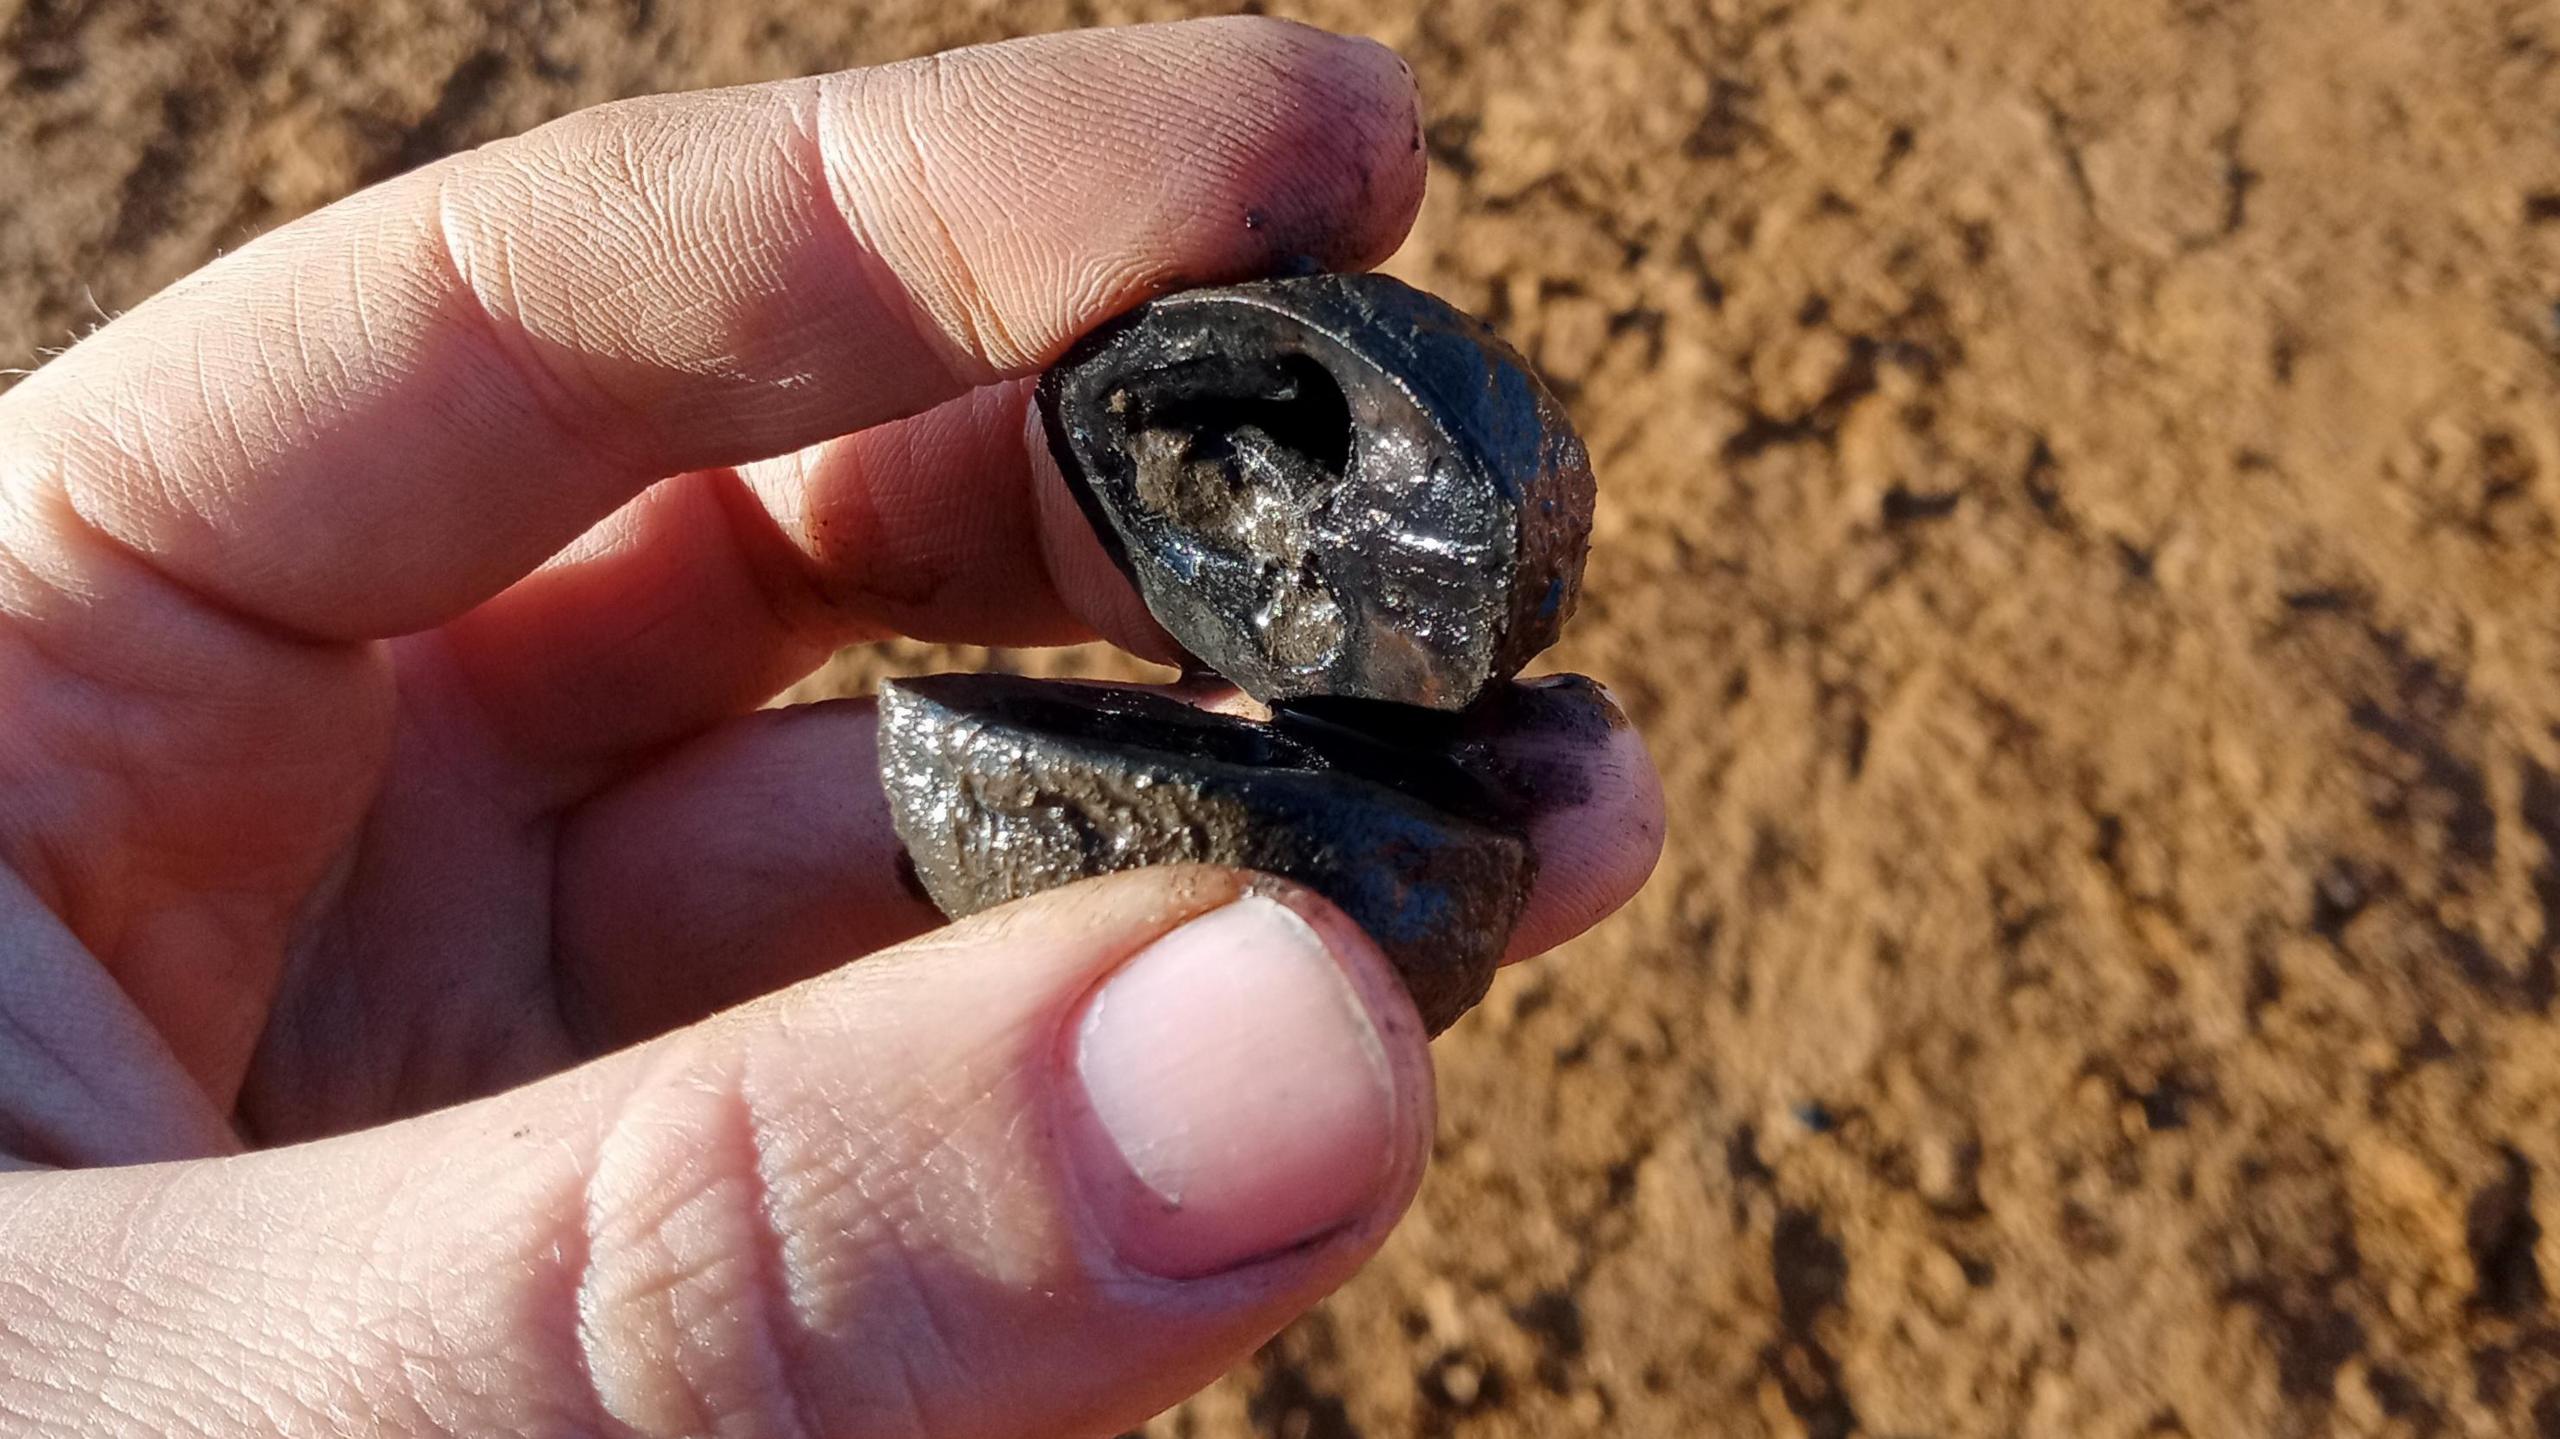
2081,528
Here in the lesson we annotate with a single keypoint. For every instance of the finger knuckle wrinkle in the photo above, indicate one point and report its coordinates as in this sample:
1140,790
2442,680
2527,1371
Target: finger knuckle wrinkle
686,1318
483,293
901,200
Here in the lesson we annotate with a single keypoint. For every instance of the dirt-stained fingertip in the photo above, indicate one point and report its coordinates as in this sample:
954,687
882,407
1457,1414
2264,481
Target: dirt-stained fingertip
1584,790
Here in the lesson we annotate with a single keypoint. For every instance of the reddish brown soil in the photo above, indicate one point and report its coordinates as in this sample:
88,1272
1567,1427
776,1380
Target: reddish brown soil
2081,502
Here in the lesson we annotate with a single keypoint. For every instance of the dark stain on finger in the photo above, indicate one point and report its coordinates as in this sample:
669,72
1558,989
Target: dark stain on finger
1558,704
1534,745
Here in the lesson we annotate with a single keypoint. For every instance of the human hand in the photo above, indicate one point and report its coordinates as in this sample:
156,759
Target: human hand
428,1006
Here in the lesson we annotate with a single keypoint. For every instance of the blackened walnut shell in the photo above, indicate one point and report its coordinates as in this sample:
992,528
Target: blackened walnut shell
1332,486
1004,787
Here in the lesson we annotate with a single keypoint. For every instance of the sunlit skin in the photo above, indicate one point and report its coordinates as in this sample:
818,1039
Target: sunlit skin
432,1005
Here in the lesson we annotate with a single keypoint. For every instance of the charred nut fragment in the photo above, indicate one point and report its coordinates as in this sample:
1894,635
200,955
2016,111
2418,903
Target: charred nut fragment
1359,506
1328,486
1003,787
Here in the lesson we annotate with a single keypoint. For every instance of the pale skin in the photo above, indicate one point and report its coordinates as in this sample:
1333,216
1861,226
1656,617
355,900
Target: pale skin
433,1003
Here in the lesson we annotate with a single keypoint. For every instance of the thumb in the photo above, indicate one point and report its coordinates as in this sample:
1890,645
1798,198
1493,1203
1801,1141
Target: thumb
1042,1173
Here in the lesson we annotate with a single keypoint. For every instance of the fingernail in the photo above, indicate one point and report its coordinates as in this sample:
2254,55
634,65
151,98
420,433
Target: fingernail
1241,1101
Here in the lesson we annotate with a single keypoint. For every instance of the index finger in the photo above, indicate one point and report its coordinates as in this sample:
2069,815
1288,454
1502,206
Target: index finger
378,416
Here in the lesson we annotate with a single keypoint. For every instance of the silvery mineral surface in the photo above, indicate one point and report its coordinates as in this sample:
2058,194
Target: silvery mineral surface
1332,486
1003,787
